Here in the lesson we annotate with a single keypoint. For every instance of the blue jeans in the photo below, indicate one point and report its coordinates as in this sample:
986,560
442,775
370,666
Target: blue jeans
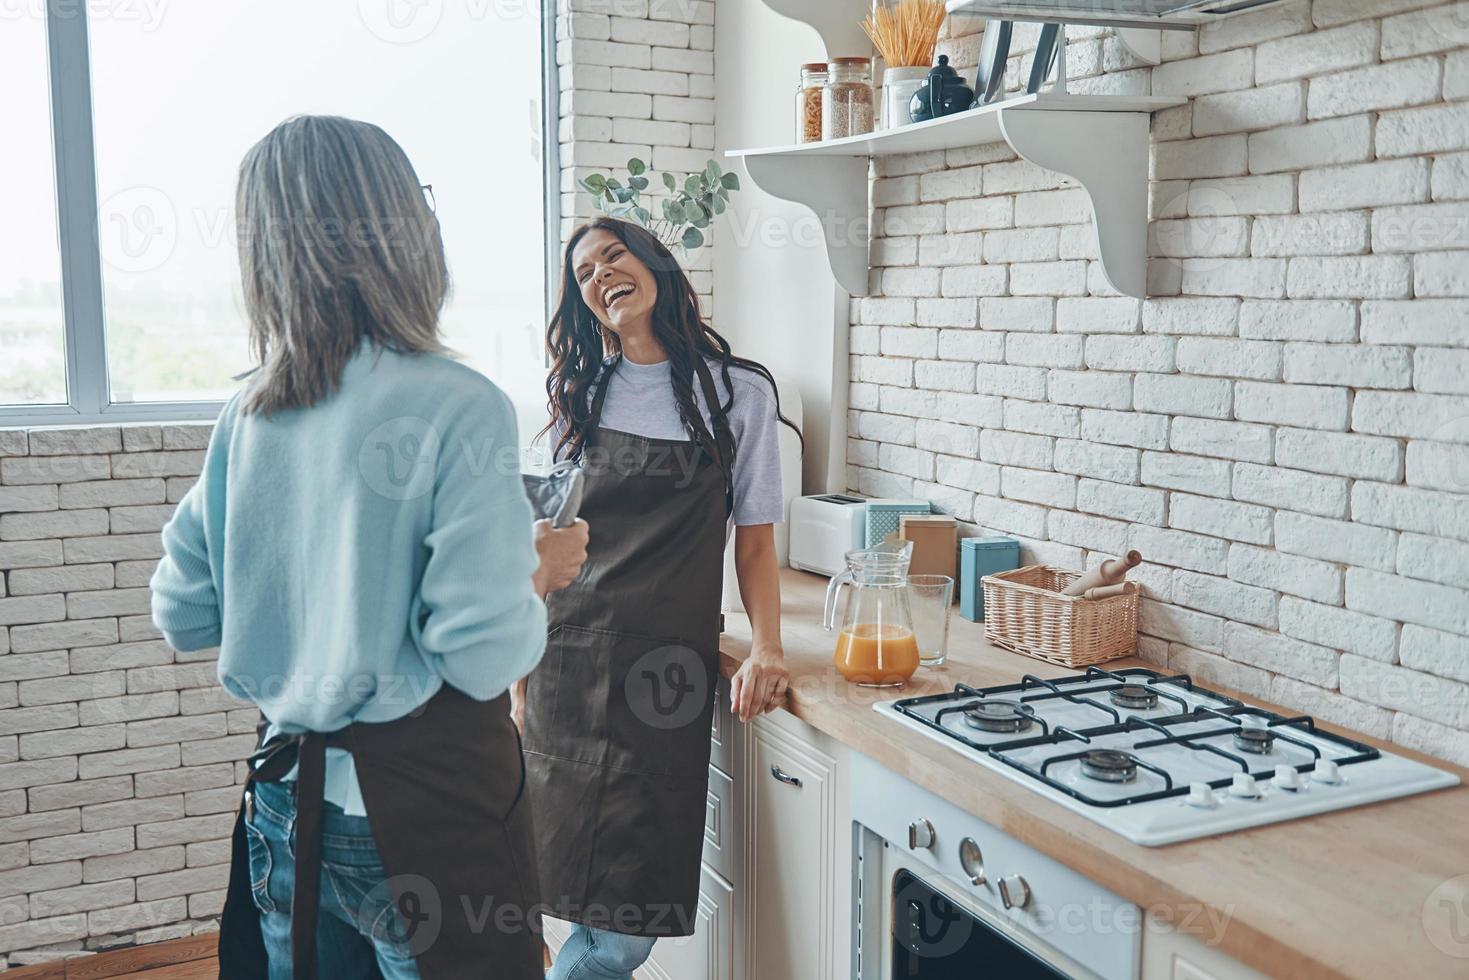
357,922
594,954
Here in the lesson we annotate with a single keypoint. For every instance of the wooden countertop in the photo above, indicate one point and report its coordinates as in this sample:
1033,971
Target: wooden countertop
1341,894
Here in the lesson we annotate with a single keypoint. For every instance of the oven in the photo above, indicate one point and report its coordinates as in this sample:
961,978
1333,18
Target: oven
941,895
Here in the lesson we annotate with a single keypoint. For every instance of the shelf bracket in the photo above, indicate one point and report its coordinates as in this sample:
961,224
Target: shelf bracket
1145,45
838,24
1107,153
834,188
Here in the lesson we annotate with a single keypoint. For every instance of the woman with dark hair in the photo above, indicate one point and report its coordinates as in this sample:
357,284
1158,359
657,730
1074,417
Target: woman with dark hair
363,558
679,439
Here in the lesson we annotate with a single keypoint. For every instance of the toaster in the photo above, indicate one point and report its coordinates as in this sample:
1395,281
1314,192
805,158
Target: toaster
824,528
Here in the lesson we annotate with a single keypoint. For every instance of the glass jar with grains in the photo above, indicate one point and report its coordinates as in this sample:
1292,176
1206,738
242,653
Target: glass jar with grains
808,102
846,106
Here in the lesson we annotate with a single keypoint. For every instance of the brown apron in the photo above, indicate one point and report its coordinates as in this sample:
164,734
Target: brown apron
618,713
443,790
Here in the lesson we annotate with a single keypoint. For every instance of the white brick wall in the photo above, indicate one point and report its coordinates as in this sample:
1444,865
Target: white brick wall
637,79
115,806
1283,427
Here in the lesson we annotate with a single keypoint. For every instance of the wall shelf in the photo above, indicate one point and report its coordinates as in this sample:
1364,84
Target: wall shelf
1101,141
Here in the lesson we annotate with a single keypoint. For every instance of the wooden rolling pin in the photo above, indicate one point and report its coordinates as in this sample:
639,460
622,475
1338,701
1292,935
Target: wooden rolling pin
1105,591
1110,572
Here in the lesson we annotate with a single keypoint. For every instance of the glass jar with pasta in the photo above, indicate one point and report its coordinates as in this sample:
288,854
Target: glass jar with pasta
808,102
846,105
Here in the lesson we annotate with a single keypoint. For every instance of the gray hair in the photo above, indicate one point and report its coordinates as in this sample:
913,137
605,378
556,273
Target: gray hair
337,245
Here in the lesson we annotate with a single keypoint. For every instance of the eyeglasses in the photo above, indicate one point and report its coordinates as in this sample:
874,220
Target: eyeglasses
428,197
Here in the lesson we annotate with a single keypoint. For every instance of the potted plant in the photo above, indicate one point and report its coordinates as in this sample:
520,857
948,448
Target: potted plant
682,216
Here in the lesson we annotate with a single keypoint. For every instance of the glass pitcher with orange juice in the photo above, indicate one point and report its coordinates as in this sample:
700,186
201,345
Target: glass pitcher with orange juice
876,646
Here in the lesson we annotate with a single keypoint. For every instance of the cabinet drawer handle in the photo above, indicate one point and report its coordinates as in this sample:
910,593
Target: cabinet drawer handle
785,777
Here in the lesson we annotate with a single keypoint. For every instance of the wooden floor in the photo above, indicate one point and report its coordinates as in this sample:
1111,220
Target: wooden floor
179,959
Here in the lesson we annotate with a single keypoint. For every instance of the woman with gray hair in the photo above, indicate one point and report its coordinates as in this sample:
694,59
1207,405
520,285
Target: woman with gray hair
361,550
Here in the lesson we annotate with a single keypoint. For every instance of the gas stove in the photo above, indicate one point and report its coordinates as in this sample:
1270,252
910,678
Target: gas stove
1159,758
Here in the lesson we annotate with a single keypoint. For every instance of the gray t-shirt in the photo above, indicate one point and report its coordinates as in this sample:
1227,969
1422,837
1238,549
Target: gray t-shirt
640,401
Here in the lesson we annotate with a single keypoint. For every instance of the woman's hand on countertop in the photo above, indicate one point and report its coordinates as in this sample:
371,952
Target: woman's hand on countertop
760,685
562,552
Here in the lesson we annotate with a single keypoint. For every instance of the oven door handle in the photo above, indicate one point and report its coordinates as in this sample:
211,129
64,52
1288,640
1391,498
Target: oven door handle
785,777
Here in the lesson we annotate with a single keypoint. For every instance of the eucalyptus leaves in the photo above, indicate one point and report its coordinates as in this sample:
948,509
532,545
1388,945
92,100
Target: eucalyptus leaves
684,215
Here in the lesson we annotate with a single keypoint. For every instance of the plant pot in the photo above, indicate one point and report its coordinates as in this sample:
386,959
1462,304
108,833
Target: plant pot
898,86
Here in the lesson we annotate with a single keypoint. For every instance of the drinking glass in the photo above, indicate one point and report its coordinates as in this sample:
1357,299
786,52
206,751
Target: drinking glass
930,597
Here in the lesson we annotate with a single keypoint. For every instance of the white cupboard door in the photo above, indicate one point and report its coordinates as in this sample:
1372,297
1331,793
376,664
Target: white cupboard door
709,953
1171,955
789,887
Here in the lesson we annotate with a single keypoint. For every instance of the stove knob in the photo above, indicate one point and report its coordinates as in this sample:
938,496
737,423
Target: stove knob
971,860
1202,796
920,834
1244,787
1326,771
1287,778
1014,892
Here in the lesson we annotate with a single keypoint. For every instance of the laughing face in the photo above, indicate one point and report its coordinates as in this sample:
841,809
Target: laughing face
616,286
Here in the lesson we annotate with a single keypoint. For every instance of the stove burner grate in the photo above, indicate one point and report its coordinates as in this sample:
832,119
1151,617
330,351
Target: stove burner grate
1257,741
1134,696
1109,766
999,716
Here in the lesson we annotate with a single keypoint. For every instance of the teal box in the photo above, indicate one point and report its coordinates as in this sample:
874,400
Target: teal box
884,516
979,557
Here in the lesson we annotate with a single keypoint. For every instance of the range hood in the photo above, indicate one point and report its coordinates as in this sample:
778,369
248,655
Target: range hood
1179,15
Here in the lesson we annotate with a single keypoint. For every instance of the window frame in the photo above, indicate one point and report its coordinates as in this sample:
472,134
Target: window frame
88,387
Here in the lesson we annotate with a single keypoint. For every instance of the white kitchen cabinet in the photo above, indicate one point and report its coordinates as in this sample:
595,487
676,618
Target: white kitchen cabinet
795,895
1171,955
709,954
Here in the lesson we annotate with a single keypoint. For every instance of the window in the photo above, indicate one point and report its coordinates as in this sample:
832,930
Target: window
165,100
32,362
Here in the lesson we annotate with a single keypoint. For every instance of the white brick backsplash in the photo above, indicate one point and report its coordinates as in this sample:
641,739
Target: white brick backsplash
1257,278
1181,395
1410,414
1411,509
1317,144
1130,353
1143,506
1135,429
1434,652
1420,556
1377,87
1230,440
1219,518
1340,629
1201,76
1331,706
1174,622
1209,668
1336,541
1434,130
1220,596
1180,548
1365,277
1449,180
72,847
1438,466
1284,488
1195,474
1192,315
1441,370
1285,573
1440,274
1409,691
1286,404
1250,109
1281,655
1301,320
1410,600
1422,321
1365,457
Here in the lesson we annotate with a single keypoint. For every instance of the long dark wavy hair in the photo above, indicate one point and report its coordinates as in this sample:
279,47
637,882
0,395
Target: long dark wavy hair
578,342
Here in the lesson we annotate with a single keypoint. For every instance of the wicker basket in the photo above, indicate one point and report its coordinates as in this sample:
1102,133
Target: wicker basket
1025,612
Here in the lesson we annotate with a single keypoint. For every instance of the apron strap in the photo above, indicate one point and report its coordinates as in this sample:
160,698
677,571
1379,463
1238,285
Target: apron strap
270,764
717,417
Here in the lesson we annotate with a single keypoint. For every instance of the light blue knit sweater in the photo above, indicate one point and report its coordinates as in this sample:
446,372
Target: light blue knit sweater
350,558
